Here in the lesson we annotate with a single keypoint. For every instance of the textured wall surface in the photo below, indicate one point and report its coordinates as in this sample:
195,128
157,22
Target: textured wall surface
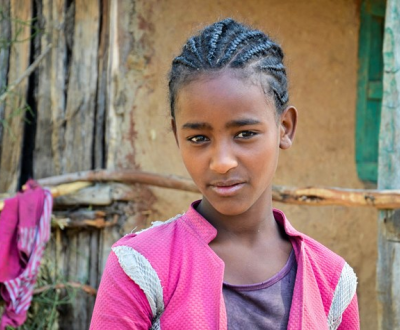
320,39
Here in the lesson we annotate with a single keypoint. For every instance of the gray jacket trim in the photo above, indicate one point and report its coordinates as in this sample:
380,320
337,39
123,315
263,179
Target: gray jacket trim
139,269
159,223
344,293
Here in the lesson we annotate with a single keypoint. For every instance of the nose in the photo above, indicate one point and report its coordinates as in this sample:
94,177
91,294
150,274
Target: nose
223,159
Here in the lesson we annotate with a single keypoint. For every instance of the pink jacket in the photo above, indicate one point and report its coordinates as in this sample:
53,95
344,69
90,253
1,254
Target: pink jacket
177,281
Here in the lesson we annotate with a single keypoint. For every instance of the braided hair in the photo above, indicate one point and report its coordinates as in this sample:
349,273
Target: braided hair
229,44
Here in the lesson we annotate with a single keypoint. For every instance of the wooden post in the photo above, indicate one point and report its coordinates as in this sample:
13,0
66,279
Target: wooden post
5,34
50,97
388,267
15,107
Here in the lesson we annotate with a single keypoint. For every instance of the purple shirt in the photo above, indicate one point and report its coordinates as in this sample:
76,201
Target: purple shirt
264,305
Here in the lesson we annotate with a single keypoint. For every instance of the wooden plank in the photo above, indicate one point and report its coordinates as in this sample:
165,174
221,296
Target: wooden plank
69,267
81,266
57,87
43,160
131,49
51,92
94,271
113,135
14,112
82,85
96,195
388,266
81,274
5,34
80,120
102,87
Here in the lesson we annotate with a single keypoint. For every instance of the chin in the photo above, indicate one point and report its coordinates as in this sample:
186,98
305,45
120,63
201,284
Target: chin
229,207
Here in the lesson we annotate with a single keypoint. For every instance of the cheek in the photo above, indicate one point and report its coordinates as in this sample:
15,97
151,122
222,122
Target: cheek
264,160
191,160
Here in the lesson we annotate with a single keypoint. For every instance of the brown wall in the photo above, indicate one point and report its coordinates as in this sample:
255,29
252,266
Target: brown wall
320,39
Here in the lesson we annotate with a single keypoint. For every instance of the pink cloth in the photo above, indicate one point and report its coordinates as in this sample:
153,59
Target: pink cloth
191,275
24,231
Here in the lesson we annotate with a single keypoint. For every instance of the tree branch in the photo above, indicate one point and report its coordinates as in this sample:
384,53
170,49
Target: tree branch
87,288
26,74
125,176
316,196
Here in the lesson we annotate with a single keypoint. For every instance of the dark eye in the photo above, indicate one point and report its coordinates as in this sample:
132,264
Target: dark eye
198,139
245,134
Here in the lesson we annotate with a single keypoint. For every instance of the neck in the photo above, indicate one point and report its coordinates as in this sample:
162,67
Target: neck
256,222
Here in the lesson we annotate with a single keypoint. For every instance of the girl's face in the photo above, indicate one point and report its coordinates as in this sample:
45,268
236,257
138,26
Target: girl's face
229,138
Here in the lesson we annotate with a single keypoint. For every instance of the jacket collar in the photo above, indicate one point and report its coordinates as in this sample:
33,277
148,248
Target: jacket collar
207,232
199,224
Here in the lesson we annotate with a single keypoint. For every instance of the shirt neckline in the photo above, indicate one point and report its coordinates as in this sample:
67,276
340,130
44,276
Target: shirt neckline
271,281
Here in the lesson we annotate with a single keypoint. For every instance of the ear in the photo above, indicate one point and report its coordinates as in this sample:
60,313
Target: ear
173,126
288,121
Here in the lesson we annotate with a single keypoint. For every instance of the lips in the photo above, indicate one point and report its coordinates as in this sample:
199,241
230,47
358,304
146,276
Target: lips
227,188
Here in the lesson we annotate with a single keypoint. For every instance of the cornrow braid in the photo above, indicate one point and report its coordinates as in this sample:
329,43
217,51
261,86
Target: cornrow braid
191,45
243,58
183,61
213,42
244,37
228,44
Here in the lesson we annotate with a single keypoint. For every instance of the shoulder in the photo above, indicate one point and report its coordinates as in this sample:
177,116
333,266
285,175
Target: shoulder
159,233
312,251
146,259
327,263
160,247
317,252
335,278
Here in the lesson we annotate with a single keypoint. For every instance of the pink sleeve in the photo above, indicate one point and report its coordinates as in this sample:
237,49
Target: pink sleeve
120,303
350,317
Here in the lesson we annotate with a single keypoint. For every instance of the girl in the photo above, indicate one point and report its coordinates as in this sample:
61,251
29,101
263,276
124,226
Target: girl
231,261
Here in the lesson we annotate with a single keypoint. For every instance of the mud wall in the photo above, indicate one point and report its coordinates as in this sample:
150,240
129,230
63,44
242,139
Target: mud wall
320,39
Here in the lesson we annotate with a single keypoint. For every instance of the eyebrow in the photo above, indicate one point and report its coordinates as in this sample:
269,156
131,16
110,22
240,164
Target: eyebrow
231,124
242,122
197,125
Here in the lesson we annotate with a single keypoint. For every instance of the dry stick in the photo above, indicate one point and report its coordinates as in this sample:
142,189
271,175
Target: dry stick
87,288
124,176
26,74
381,199
65,189
98,223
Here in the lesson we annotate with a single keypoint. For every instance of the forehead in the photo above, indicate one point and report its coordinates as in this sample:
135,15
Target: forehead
221,97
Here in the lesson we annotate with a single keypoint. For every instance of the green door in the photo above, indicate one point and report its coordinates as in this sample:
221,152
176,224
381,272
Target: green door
369,88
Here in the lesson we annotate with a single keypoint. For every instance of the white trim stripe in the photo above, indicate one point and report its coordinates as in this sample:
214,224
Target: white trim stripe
139,269
159,223
344,293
